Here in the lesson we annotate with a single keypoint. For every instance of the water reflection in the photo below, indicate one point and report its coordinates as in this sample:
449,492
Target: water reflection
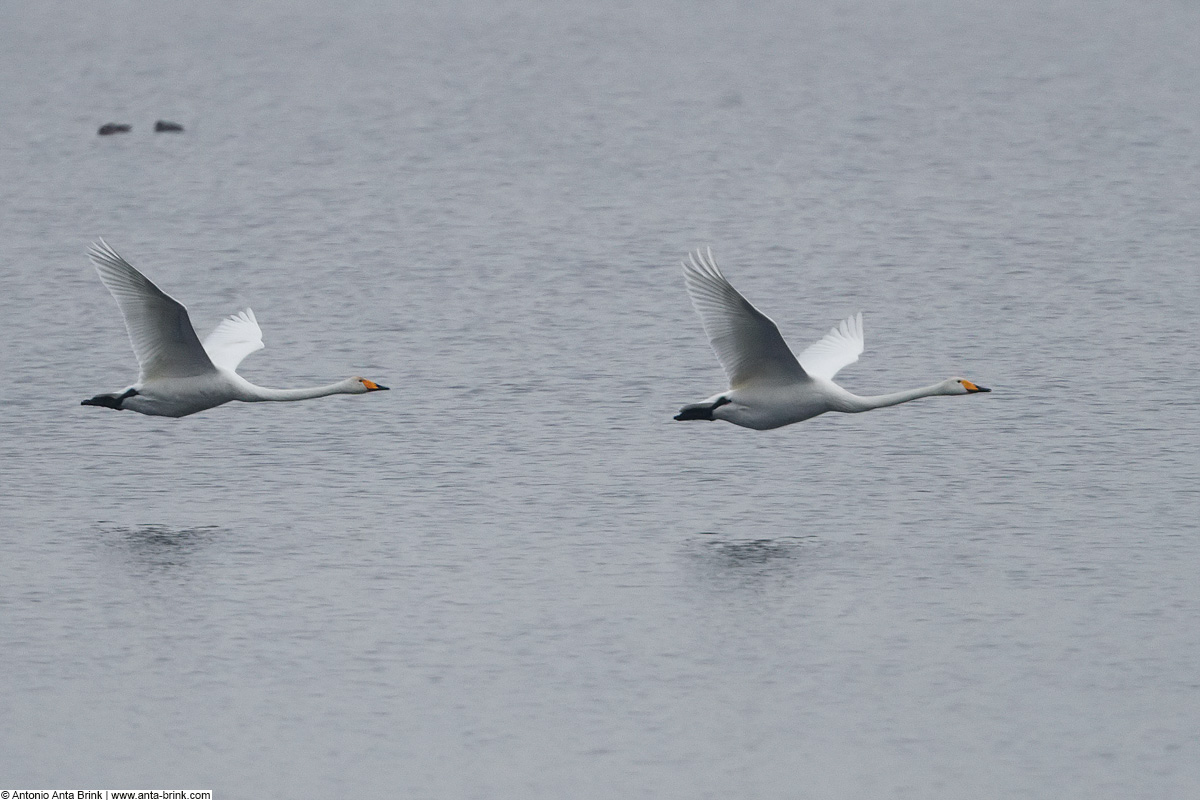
160,547
750,558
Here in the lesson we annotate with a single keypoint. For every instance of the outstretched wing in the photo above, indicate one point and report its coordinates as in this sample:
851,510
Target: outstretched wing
836,349
235,338
159,329
746,341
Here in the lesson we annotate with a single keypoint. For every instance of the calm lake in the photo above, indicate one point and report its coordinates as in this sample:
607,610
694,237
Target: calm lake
514,575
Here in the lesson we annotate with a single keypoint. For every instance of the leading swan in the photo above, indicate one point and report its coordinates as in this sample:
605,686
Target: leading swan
768,386
179,375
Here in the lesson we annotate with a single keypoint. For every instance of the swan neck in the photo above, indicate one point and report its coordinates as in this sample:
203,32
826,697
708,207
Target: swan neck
262,393
895,398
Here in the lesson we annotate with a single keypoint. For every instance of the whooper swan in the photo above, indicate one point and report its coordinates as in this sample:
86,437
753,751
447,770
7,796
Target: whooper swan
768,386
179,375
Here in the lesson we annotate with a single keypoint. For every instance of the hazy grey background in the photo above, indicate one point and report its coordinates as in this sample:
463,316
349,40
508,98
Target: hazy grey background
514,576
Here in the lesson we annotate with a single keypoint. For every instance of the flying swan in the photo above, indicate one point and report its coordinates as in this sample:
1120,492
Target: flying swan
768,386
179,375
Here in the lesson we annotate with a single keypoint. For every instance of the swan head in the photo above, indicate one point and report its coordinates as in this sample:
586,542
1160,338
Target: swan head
962,386
359,385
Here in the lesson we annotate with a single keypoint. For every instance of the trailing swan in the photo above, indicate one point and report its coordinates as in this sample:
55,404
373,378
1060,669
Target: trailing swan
179,375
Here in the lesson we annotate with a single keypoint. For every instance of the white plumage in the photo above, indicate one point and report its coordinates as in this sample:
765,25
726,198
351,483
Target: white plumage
233,339
177,374
768,386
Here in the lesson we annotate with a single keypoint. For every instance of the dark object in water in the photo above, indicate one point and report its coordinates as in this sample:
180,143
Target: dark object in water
162,126
109,128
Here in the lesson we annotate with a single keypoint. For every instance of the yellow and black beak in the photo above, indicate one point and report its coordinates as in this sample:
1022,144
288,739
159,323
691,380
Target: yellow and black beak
372,386
972,388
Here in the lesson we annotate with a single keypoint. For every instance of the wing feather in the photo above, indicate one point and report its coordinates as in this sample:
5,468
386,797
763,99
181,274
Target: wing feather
747,342
235,338
160,331
837,349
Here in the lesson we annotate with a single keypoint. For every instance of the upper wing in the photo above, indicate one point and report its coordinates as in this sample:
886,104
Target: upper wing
235,338
746,341
836,349
162,336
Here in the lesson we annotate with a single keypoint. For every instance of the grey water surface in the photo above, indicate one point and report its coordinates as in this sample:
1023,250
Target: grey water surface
514,576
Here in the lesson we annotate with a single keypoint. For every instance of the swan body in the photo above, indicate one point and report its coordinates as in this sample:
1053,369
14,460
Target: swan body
769,386
179,374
